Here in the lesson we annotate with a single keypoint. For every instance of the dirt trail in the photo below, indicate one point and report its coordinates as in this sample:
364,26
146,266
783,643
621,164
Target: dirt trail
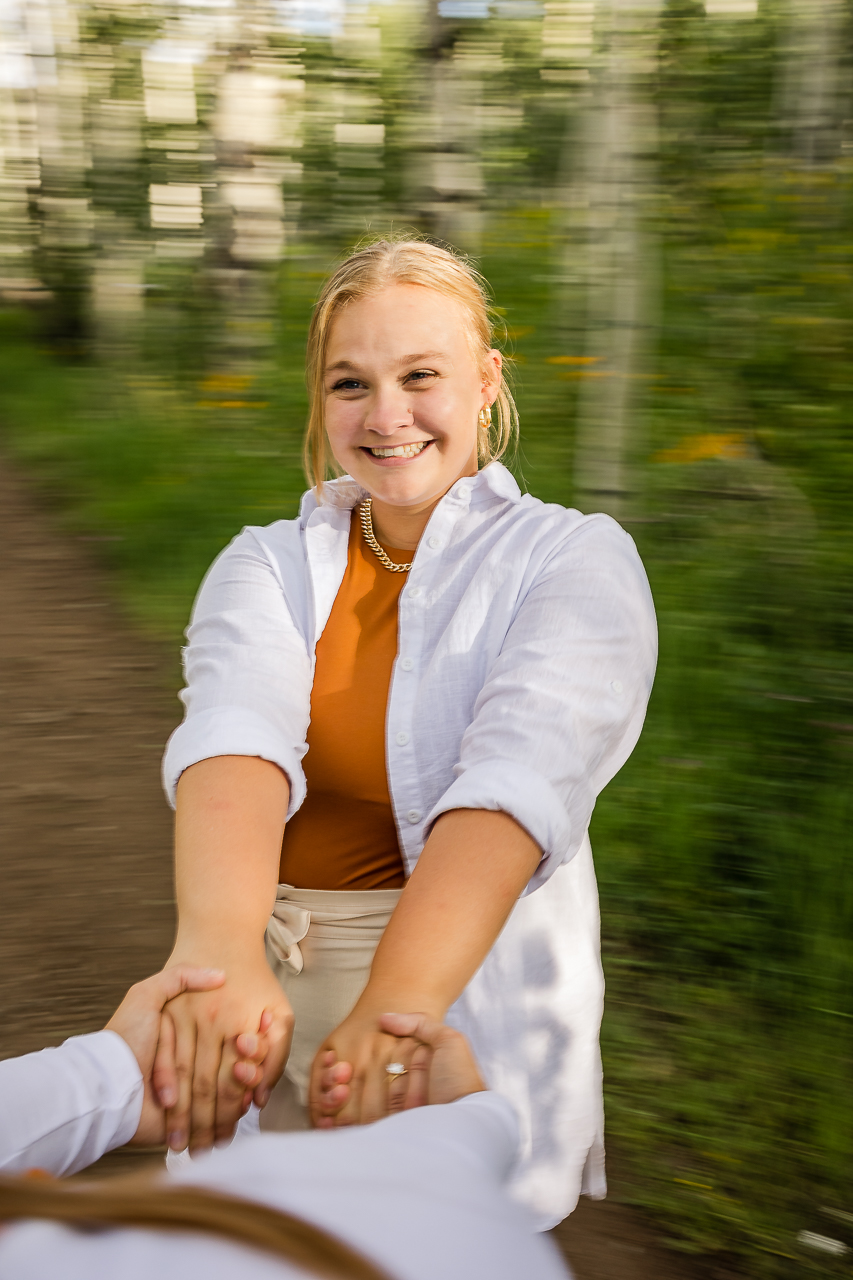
85,885
86,879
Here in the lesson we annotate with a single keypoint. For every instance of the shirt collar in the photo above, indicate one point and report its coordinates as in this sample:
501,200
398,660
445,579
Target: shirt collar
345,493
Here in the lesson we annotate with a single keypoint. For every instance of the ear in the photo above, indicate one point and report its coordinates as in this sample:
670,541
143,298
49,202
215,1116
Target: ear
492,369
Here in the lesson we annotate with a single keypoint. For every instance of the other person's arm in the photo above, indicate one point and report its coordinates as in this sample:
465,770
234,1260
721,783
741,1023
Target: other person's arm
61,1109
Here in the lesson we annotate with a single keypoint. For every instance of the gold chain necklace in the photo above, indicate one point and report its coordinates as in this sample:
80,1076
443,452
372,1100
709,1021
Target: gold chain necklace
365,515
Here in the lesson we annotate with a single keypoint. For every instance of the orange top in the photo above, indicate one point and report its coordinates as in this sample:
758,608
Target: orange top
344,836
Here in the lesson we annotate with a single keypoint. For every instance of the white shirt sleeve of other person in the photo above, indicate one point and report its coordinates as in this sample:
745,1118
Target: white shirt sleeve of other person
526,654
421,1193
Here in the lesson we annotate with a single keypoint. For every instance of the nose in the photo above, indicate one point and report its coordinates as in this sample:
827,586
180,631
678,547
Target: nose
388,411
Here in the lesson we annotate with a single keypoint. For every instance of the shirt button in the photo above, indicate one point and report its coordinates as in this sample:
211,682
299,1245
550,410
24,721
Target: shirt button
402,739
616,686
414,592
414,815
407,664
464,491
434,543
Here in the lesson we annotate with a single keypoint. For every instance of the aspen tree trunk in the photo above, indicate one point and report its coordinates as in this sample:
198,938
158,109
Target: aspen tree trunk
451,204
64,214
813,95
616,175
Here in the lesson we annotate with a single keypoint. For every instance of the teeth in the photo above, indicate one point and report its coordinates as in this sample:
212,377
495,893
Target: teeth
401,450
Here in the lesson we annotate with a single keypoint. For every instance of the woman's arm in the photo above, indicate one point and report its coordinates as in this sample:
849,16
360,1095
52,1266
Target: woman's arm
230,818
473,868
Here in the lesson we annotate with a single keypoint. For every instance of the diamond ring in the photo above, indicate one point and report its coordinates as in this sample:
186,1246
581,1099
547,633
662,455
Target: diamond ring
395,1070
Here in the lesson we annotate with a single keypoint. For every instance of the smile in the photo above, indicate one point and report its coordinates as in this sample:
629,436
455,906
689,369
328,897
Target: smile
401,450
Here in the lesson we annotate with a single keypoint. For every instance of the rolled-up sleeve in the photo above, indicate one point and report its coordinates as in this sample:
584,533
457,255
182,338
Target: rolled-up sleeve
564,702
247,671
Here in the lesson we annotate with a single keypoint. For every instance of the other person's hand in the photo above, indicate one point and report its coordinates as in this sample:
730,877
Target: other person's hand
440,1068
196,1060
443,1066
360,1045
137,1020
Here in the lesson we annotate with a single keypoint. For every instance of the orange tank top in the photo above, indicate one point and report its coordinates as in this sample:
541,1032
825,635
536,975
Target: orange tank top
344,835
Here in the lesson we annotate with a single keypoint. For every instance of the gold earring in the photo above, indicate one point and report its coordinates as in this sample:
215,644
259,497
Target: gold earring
484,419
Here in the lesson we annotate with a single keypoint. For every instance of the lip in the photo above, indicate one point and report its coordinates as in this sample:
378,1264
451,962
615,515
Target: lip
395,462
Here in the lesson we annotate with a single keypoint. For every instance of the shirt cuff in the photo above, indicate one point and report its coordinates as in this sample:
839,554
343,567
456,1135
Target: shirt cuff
116,1064
506,786
61,1109
230,731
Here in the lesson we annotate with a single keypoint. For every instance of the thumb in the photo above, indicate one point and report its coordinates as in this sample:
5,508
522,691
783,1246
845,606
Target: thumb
417,1026
163,987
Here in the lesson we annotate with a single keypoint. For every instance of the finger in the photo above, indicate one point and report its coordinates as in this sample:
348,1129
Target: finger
164,986
417,1094
229,1095
279,1034
178,1116
333,1100
205,1080
373,1096
343,1110
252,1048
164,1079
323,1059
397,1087
248,1074
381,1091
339,1073
326,1098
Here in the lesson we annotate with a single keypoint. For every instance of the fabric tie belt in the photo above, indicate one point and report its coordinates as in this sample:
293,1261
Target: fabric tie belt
330,915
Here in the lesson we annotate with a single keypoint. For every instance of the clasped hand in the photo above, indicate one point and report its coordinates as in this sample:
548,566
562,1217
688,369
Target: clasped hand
139,1022
350,1083
220,1048
198,1080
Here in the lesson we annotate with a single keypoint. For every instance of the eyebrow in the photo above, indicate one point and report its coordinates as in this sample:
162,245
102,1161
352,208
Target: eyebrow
404,360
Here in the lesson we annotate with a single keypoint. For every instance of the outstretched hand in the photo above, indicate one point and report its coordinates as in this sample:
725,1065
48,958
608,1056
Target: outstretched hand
440,1068
196,1075
138,1021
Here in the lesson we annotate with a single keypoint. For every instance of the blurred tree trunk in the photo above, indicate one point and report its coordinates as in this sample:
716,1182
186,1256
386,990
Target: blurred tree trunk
813,95
615,178
64,256
451,183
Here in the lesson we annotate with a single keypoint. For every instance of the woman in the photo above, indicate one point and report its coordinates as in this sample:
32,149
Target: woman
466,668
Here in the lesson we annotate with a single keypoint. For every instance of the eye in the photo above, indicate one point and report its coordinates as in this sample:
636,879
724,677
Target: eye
420,375
347,384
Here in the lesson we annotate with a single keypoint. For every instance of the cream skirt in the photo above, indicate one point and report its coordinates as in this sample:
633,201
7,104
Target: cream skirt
320,945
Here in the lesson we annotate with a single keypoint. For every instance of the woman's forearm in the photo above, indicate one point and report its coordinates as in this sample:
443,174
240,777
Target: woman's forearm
230,818
472,870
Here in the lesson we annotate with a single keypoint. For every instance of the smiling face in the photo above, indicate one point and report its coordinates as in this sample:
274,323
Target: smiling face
402,393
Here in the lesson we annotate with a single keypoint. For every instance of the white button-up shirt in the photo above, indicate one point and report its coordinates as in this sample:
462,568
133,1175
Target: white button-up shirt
526,652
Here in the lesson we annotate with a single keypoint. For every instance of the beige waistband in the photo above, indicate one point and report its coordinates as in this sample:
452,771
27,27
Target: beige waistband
330,914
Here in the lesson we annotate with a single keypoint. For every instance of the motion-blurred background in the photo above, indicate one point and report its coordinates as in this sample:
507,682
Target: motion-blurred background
661,195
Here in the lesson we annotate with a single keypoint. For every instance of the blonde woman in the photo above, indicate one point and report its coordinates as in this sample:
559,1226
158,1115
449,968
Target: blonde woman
400,708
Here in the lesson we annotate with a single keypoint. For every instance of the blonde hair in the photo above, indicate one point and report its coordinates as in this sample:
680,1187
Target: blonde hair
370,269
137,1201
